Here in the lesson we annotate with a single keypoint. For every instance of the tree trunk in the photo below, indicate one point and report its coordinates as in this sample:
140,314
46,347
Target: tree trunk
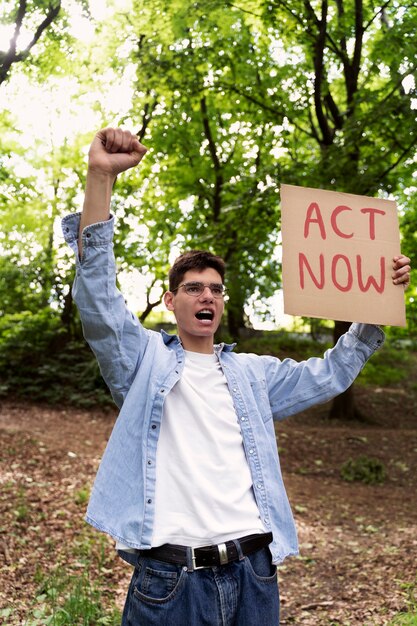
236,303
235,321
343,406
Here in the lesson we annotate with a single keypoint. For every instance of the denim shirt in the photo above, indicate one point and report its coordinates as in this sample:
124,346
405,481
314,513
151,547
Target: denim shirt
141,366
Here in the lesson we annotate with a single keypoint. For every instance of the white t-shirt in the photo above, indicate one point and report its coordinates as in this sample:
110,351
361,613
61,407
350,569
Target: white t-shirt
204,489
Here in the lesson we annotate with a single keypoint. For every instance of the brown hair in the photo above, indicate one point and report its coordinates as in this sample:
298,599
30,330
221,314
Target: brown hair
194,260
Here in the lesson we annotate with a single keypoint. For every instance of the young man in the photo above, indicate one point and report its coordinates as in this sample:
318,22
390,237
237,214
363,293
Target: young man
190,485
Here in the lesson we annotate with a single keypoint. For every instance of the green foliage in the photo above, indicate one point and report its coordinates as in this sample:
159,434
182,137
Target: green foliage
66,598
39,362
231,102
82,496
404,619
209,182
281,344
363,469
409,616
40,41
22,510
69,600
387,367
27,335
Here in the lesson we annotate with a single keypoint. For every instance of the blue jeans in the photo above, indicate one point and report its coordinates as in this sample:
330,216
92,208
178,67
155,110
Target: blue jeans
242,593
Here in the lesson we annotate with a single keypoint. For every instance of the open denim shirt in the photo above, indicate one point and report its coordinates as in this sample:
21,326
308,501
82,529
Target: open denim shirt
141,366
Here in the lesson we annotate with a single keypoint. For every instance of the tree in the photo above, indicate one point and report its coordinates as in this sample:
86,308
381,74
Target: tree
351,120
209,184
231,99
236,99
33,276
35,16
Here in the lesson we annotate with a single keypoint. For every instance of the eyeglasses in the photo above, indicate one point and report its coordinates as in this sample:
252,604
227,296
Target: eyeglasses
196,289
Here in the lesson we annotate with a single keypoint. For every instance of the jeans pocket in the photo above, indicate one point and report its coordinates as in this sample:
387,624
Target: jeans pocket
158,582
260,565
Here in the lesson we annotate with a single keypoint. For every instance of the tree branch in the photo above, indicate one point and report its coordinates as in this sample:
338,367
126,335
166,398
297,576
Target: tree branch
151,305
400,158
357,52
148,109
319,75
379,12
260,103
215,160
235,6
50,16
12,56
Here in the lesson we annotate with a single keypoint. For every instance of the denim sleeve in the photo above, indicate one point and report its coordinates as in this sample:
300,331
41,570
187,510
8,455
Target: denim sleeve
114,334
294,386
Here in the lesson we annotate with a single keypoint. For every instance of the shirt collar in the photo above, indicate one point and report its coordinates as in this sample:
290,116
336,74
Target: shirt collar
175,340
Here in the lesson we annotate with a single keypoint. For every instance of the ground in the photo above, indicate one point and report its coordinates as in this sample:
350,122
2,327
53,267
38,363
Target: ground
358,542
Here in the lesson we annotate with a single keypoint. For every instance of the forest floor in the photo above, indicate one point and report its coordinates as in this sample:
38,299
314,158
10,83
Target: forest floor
358,542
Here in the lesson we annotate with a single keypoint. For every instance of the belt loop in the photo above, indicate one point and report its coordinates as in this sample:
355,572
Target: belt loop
239,549
190,559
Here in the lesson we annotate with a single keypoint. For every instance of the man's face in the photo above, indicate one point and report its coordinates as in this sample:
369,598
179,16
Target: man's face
196,316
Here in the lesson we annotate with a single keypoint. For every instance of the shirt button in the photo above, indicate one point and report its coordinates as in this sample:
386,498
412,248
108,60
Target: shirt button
242,419
259,485
251,451
149,462
149,501
153,426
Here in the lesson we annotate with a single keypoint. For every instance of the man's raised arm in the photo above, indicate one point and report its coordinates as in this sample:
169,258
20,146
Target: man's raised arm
112,151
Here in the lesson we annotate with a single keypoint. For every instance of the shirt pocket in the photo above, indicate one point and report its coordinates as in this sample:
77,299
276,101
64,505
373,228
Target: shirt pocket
261,398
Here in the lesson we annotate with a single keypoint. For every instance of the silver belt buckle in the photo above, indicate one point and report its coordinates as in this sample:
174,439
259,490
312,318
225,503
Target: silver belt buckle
224,559
193,558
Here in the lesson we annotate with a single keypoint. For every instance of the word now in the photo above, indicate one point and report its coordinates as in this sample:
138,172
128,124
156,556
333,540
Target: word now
314,216
343,262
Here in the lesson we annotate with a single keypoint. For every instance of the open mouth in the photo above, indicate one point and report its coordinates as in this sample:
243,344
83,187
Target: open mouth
205,314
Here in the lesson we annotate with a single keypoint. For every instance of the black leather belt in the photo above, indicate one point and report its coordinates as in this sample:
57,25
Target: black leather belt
208,556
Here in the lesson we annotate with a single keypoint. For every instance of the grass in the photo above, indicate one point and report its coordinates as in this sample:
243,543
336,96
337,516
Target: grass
67,600
66,597
404,619
364,469
409,616
82,496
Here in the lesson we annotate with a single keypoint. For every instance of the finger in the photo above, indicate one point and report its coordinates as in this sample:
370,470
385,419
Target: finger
402,280
126,141
401,272
138,148
140,144
400,261
122,141
117,143
107,136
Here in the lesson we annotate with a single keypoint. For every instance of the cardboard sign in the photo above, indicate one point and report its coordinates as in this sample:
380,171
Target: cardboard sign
338,251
